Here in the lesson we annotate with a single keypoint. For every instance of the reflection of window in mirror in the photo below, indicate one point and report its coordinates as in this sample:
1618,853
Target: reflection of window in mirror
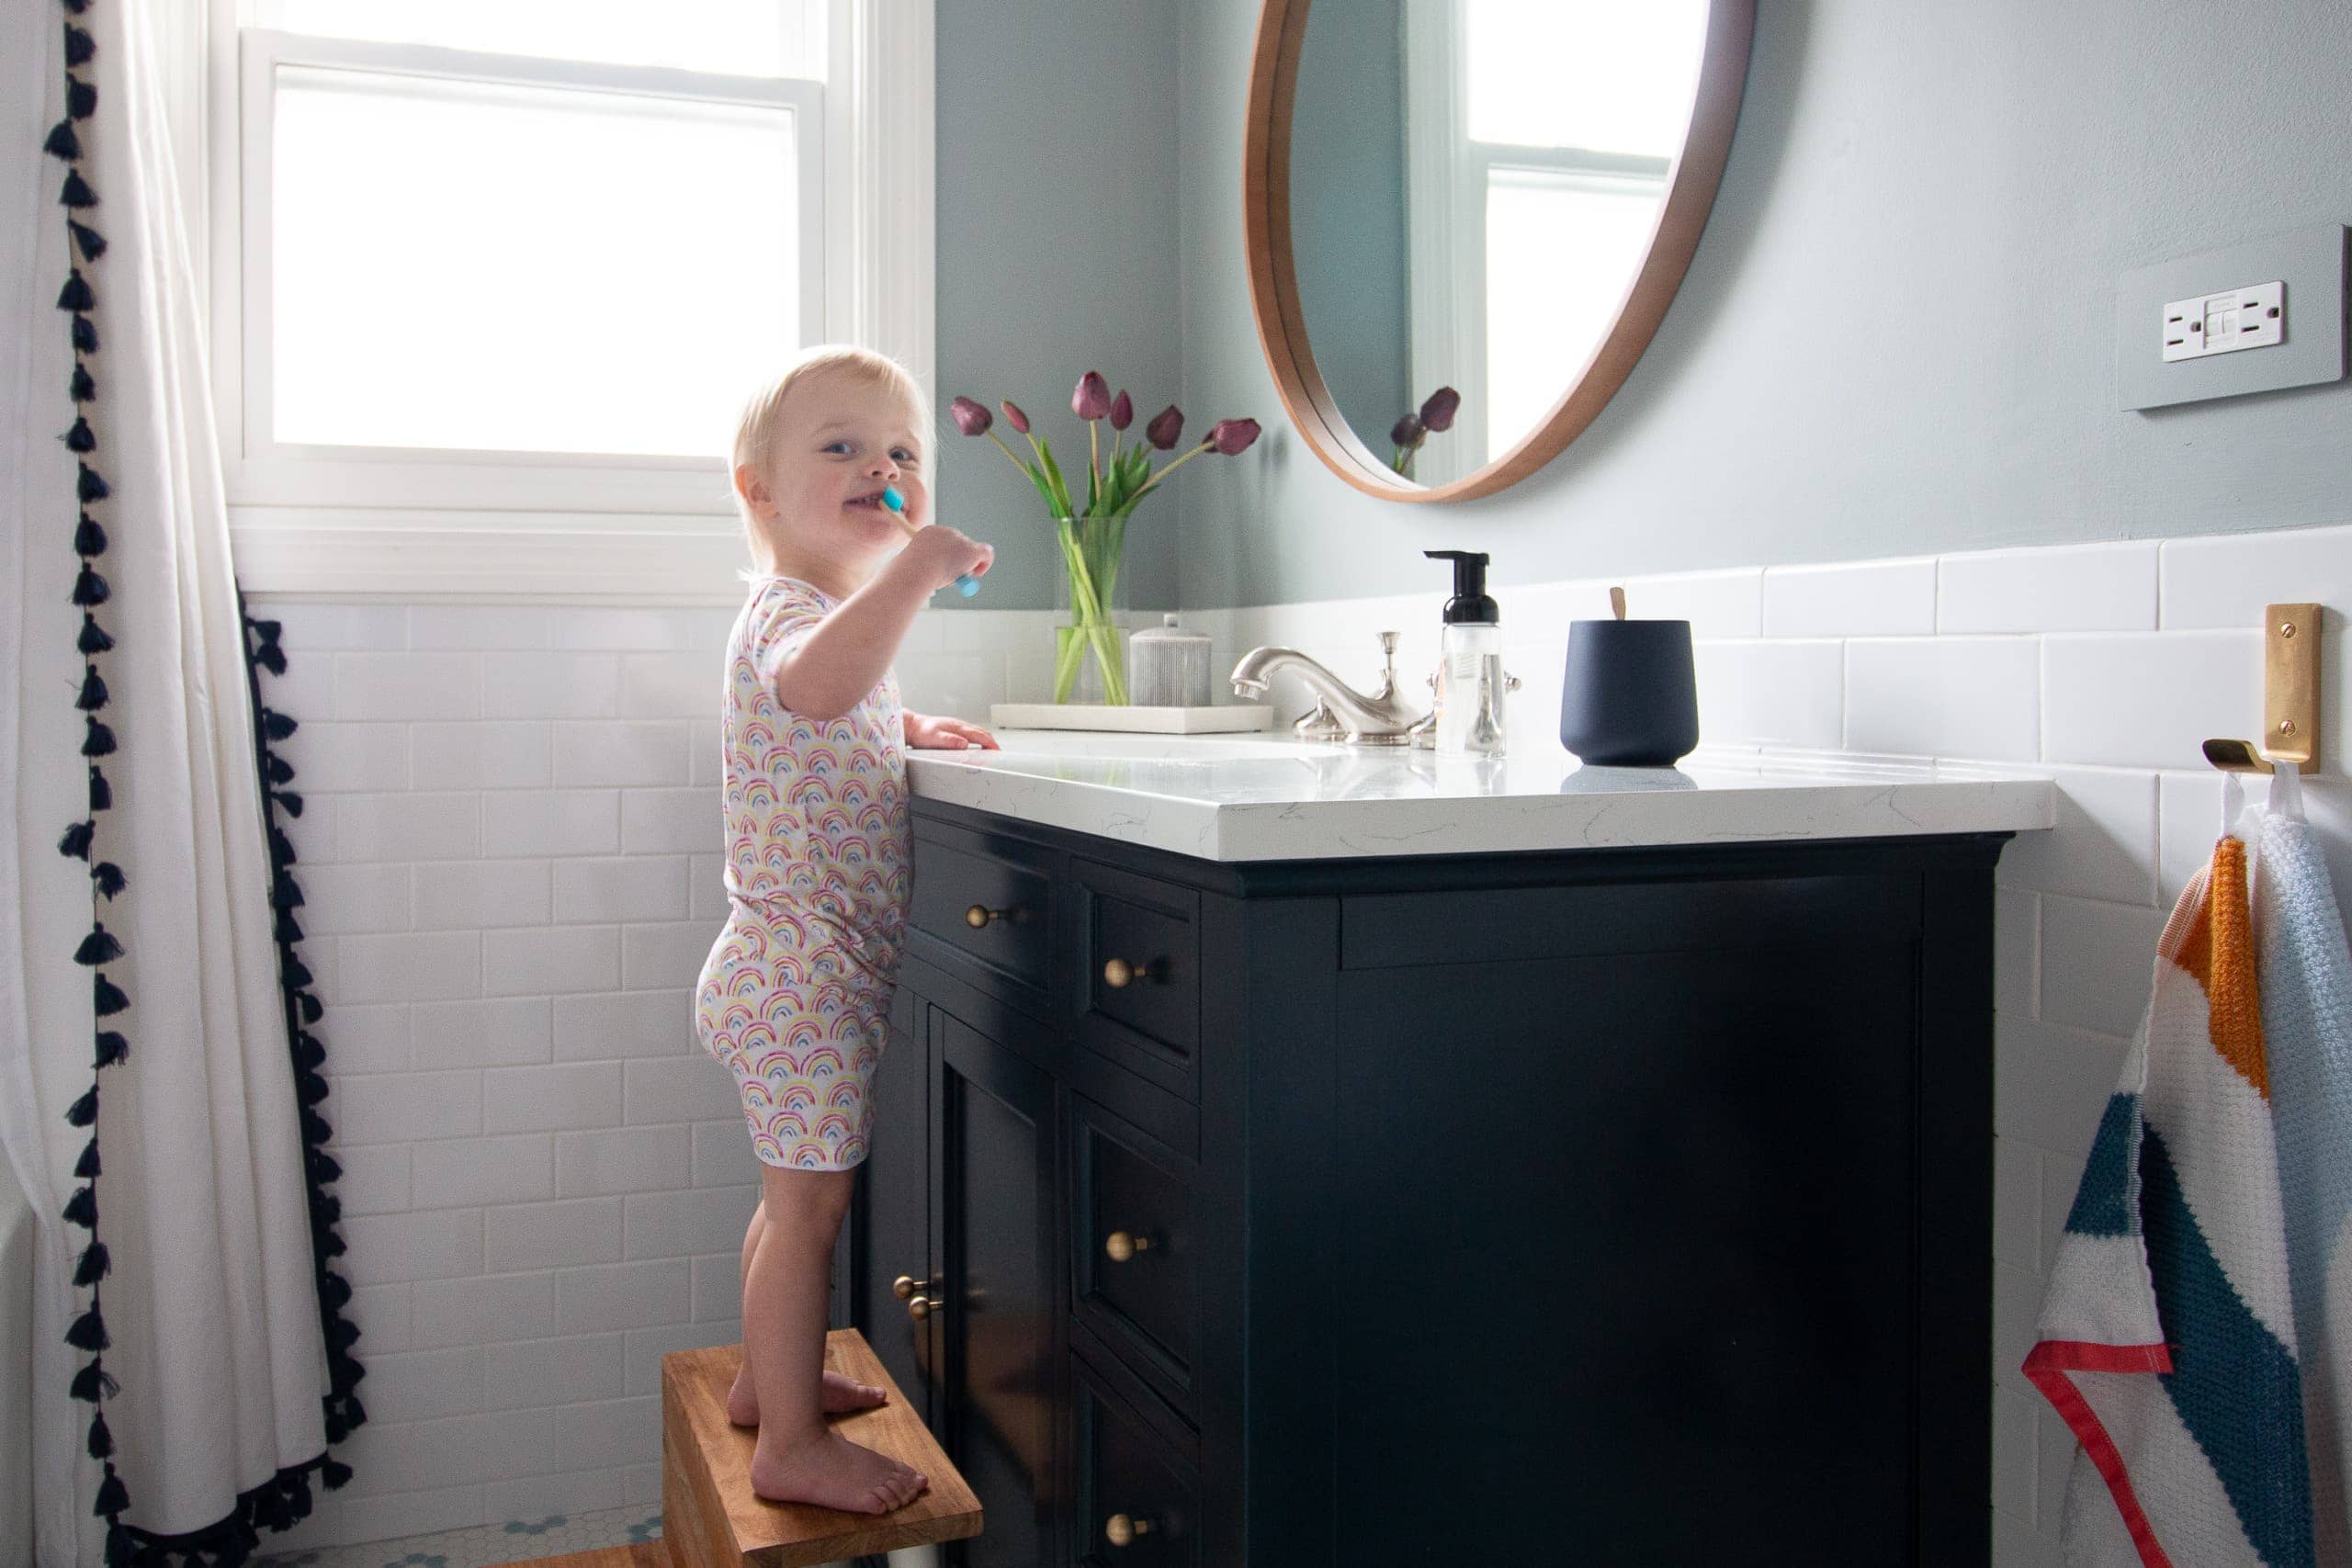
1539,134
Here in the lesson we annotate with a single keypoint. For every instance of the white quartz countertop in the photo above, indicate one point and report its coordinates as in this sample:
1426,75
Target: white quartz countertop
1225,798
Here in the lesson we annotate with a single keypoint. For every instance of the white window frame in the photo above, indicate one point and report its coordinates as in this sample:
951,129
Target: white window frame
1446,174
388,523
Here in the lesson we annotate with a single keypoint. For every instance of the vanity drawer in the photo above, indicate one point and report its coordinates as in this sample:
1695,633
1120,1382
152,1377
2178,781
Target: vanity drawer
1135,988
989,900
1137,1481
1133,1265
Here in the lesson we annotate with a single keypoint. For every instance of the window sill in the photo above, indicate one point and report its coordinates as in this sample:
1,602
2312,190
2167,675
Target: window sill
504,556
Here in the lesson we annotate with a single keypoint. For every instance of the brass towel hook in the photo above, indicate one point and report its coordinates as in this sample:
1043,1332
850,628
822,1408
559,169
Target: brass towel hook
2290,697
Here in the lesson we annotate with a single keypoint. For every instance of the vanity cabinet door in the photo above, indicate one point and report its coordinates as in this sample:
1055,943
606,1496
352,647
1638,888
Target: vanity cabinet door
994,1231
892,1216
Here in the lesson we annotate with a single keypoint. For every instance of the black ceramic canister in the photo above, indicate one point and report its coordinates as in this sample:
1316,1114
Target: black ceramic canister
1629,697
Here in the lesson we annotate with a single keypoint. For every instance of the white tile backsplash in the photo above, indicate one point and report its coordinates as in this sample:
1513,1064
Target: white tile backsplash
1884,598
563,1166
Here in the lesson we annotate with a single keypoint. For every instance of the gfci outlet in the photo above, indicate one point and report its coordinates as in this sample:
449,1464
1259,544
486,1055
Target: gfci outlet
2251,317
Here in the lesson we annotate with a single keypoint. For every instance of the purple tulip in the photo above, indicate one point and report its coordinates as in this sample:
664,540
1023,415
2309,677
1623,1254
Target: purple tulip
970,417
1407,432
1014,417
1091,400
1165,427
1437,413
1232,436
1123,410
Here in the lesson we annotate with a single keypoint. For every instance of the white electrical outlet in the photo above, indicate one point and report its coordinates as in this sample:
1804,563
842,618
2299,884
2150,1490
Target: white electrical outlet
2254,317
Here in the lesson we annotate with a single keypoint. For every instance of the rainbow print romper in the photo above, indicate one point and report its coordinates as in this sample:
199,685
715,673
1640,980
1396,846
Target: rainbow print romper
795,993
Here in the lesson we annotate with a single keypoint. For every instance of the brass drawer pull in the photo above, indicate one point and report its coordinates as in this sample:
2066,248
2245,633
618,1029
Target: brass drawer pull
1120,1529
1122,1245
905,1286
979,915
1118,973
921,1307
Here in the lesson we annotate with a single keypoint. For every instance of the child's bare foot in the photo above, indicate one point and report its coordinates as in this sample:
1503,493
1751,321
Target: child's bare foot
840,1394
835,1473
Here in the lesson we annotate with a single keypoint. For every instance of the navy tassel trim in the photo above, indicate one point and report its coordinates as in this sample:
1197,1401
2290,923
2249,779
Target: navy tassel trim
83,1112
63,142
106,997
89,588
324,1167
80,439
84,336
111,1048
297,974
81,1209
312,1010
81,98
75,295
88,1332
94,638
87,1168
89,539
101,794
335,1473
289,800
82,388
97,740
75,844
113,1498
92,1382
93,244
107,877
77,191
277,769
89,486
79,47
98,947
93,1265
276,724
101,1440
94,691
281,848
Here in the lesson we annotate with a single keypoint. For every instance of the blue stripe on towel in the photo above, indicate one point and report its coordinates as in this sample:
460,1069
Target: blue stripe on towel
2230,1373
2103,1198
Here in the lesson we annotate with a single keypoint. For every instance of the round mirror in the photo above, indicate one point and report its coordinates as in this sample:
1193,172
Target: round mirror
1466,217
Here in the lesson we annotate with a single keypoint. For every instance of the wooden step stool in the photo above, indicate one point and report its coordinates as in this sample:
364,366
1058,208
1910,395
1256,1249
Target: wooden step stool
712,1519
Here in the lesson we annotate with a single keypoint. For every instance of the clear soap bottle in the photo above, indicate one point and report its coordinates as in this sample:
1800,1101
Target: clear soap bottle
1470,663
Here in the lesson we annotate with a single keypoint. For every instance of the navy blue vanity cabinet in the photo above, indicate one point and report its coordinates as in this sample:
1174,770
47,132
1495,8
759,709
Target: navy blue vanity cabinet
1630,1206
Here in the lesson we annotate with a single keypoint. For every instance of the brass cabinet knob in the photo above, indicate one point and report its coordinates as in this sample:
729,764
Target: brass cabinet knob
921,1307
906,1285
1118,973
1122,1244
1121,1530
979,915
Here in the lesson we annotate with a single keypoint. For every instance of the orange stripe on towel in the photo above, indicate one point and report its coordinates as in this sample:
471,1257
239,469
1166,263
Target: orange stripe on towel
2217,947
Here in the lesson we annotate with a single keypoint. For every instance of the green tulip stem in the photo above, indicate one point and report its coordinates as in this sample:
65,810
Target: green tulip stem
1153,483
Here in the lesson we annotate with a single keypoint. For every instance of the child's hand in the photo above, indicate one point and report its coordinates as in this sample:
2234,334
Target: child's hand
937,555
931,732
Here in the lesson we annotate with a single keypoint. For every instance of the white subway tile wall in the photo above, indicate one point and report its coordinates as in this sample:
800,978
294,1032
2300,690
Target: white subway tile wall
512,857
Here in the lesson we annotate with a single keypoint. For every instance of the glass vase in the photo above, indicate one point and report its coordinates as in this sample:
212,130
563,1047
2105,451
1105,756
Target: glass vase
1090,643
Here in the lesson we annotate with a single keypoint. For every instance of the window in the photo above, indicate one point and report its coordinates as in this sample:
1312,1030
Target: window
1540,137
491,276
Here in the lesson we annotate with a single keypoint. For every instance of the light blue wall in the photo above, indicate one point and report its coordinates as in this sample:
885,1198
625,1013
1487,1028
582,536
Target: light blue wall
1057,255
1347,203
1897,333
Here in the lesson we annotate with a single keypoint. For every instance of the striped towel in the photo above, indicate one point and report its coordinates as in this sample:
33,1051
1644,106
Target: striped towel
2168,1337
2307,1025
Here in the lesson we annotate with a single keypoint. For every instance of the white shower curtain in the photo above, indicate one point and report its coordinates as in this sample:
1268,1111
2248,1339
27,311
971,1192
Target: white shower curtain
212,1303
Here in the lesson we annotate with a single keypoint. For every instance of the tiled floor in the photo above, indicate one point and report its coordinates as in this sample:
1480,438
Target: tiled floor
480,1546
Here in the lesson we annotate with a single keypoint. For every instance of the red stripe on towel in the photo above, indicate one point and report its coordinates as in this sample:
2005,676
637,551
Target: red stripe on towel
2048,1365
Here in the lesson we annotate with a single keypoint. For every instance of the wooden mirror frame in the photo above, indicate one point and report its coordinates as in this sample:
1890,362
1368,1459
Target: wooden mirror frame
1274,278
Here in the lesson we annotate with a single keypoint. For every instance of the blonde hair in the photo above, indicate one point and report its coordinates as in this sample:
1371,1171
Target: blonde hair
756,430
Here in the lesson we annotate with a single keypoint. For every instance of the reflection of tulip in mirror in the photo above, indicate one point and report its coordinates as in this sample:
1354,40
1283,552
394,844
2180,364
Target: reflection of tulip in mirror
1435,416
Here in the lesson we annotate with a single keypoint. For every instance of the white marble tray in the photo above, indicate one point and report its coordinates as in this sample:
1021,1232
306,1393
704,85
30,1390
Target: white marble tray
1232,720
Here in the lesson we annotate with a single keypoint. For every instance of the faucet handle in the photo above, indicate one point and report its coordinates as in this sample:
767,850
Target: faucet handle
1388,642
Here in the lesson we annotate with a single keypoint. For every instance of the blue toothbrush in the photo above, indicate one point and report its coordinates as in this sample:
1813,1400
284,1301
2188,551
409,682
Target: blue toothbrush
967,584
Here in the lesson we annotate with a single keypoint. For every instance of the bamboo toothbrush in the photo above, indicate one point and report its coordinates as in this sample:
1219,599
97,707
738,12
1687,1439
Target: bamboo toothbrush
967,584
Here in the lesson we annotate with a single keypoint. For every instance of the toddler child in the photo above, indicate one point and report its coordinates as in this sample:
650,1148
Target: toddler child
795,993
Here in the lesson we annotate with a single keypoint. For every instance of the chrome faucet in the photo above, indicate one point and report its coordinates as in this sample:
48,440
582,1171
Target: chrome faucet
1382,719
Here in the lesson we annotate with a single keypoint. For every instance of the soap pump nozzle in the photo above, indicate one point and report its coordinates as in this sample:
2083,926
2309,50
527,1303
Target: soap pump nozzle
1469,605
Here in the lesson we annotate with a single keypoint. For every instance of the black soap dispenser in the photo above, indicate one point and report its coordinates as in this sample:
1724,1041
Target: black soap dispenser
1470,664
